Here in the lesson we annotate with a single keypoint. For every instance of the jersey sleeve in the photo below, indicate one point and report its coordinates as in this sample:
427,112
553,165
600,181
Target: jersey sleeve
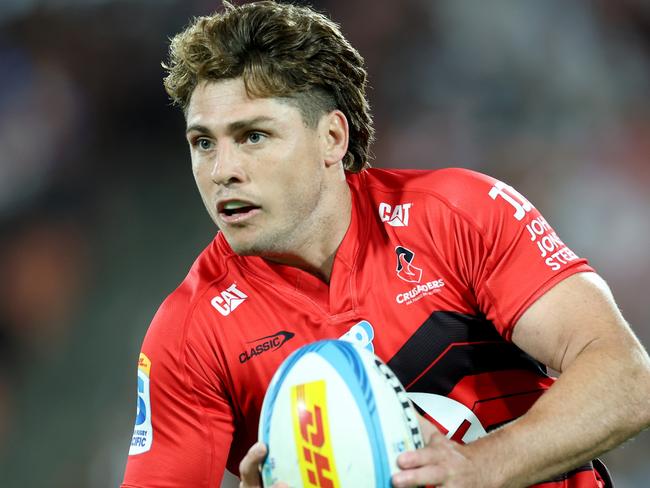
507,251
184,422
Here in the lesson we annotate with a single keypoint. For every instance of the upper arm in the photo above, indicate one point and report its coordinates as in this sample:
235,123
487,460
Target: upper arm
501,245
577,312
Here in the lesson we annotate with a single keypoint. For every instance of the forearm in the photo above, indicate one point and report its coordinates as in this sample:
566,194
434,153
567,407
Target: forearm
601,400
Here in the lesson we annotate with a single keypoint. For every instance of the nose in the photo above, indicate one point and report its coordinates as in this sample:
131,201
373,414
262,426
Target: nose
226,167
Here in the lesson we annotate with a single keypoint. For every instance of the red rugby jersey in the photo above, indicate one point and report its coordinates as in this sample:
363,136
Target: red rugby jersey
432,274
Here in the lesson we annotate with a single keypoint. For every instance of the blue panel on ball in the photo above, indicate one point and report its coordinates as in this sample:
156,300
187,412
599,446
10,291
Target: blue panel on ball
345,359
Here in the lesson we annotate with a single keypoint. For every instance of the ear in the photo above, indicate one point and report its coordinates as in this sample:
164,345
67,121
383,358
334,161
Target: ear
336,134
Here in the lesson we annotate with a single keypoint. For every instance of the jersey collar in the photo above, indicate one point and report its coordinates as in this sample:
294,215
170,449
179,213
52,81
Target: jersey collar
339,298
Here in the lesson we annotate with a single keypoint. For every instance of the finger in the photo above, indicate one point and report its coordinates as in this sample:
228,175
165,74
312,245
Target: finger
418,458
249,466
430,475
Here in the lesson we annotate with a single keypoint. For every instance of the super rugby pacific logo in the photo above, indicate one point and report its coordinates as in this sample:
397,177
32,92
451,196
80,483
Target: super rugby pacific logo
265,344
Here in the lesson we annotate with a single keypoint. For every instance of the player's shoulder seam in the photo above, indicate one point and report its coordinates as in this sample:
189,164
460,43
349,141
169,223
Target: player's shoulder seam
184,351
196,301
406,177
185,303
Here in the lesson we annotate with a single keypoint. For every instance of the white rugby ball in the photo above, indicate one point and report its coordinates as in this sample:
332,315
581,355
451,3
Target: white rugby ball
334,415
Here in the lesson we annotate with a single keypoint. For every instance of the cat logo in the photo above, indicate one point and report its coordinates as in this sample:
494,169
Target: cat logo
228,300
396,217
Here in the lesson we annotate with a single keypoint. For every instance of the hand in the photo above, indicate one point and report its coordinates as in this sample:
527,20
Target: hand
440,463
249,468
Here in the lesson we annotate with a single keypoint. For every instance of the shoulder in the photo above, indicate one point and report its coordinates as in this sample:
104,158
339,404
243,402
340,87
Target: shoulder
456,190
451,200
185,309
456,185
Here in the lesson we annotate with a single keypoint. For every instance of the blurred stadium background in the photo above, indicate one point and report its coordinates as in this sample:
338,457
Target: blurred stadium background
99,218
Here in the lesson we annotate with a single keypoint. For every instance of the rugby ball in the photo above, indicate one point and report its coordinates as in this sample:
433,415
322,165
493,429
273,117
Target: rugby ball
334,415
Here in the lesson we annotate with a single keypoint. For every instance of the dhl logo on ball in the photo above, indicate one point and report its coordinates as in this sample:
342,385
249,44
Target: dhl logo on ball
312,435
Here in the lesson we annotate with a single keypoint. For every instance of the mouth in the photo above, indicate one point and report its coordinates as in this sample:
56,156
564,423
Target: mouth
235,211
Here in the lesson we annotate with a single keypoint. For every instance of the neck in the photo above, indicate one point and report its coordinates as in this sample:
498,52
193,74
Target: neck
321,239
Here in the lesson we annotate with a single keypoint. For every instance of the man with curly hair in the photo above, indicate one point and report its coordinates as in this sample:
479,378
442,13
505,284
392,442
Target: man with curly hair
453,278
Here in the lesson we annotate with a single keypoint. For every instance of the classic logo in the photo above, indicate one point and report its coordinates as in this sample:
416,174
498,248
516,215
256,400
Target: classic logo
312,435
143,432
228,300
397,217
406,270
264,344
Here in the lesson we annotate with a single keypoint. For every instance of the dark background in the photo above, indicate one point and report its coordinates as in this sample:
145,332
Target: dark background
99,217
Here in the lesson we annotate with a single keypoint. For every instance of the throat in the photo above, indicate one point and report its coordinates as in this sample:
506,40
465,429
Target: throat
315,241
321,270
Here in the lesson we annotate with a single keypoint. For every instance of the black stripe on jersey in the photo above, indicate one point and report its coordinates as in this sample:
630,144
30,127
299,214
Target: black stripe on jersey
449,346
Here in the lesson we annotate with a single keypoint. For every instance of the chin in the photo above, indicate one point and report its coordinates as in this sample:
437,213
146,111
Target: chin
244,247
239,247
244,242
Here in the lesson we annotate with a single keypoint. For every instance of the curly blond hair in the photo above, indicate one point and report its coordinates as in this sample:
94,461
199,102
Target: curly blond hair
279,50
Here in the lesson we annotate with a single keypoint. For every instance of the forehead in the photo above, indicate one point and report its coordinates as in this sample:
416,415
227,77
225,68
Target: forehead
226,101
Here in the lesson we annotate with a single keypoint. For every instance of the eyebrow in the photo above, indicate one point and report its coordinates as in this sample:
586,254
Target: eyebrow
233,127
